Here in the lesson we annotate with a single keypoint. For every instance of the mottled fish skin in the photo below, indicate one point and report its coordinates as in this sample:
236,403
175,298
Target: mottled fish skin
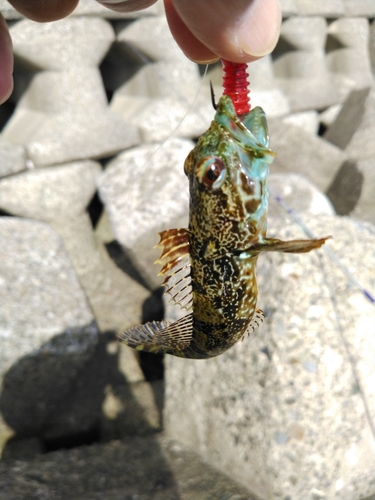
210,268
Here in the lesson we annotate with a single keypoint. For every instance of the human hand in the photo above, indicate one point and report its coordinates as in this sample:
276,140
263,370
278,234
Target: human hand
238,31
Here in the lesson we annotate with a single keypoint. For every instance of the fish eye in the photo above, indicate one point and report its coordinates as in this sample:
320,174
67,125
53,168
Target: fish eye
211,172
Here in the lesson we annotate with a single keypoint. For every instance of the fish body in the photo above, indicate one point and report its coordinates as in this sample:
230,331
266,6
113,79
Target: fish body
209,268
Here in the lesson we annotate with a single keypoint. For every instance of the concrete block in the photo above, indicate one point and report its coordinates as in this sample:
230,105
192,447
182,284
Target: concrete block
52,45
329,115
50,193
300,195
303,153
151,36
47,331
145,191
305,33
352,190
288,7
12,158
300,66
307,120
263,89
8,11
59,196
278,412
163,96
151,467
57,117
329,8
354,128
348,56
365,8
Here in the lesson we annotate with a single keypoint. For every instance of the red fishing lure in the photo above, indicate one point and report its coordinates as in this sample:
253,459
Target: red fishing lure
236,85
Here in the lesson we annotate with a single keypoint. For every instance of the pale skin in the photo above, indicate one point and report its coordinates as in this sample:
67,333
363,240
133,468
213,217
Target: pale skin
236,30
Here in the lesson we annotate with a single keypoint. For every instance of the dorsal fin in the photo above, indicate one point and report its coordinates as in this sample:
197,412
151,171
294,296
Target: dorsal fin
256,320
176,266
160,336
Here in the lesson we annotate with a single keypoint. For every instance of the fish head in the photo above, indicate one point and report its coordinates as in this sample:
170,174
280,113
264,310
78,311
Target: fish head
228,171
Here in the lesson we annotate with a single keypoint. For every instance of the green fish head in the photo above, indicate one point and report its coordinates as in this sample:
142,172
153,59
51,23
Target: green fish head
227,173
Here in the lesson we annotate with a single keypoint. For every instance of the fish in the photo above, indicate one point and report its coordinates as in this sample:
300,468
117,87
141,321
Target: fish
209,267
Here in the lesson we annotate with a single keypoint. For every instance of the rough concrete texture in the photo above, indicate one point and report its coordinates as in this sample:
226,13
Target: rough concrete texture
329,8
308,120
282,411
44,320
138,468
354,128
301,152
348,55
272,398
299,195
12,158
40,294
159,96
57,117
59,196
145,191
300,66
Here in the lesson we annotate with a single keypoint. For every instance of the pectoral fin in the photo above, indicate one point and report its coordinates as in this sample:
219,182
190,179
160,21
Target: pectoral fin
275,245
160,336
175,262
256,320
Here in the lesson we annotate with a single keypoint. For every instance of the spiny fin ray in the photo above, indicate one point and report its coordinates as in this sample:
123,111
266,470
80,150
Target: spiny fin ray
176,266
160,336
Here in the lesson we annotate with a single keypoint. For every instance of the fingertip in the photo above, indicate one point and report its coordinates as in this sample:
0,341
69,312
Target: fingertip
6,62
127,5
259,30
189,44
45,11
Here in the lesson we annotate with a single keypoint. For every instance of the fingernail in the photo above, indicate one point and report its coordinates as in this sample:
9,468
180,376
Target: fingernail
210,61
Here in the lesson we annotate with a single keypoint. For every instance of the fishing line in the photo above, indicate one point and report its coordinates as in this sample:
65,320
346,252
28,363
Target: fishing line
182,98
164,79
297,219
347,348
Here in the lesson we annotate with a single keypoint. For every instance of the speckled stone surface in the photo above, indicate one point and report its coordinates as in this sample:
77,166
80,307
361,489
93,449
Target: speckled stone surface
63,114
45,320
354,127
94,85
301,152
282,411
145,191
299,194
137,468
60,195
12,158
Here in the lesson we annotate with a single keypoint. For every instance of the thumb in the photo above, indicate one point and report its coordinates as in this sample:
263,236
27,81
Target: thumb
239,30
